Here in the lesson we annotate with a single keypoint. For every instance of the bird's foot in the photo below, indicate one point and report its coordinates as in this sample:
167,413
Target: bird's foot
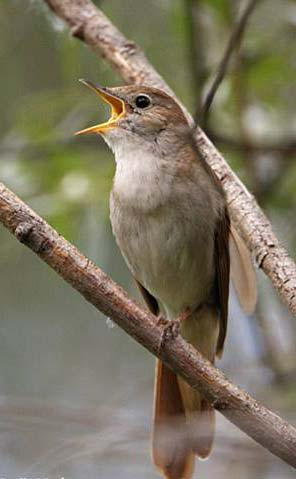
171,328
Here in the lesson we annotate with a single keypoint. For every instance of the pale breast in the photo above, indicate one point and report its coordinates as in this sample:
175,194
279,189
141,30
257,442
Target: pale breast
169,252
164,225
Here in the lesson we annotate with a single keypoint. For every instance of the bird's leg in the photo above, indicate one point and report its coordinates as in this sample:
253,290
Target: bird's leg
186,313
171,328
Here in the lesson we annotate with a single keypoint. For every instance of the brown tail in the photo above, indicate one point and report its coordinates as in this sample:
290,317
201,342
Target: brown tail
170,450
202,331
200,417
184,422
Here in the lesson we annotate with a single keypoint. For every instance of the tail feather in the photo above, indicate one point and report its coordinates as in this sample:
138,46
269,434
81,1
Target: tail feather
207,424
202,331
184,422
200,417
170,450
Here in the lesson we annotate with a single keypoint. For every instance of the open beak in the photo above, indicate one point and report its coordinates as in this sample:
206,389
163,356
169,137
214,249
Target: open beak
118,109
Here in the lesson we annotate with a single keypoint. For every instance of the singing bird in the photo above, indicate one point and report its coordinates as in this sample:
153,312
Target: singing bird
170,220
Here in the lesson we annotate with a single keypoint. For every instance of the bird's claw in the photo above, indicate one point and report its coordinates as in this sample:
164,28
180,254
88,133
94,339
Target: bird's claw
171,329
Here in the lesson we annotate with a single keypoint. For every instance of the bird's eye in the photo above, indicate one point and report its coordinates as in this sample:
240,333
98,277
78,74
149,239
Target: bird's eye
143,101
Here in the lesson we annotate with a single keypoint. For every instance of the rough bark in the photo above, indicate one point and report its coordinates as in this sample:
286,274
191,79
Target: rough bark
268,429
89,24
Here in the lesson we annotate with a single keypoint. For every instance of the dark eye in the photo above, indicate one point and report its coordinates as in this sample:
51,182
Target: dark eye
142,101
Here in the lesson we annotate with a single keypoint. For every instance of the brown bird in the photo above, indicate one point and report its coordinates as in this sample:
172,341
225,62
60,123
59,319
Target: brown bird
170,221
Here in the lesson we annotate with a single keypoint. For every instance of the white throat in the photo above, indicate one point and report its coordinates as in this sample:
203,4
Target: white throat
138,178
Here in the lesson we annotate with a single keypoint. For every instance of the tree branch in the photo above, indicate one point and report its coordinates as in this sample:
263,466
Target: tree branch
233,44
268,429
89,24
196,46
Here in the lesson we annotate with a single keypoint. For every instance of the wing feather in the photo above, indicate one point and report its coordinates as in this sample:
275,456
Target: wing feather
222,274
242,272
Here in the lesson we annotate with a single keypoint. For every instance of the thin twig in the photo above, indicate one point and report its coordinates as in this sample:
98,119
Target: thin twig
265,427
196,46
233,43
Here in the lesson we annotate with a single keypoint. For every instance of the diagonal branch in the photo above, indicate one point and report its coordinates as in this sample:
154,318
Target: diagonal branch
265,427
233,44
89,24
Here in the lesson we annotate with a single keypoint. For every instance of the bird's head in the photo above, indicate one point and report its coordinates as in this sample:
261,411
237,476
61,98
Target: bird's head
137,113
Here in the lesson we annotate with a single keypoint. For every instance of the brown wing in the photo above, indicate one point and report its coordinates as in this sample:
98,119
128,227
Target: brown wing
222,274
242,272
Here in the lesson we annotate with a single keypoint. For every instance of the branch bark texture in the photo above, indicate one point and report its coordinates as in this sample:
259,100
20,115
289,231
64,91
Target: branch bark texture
261,424
89,24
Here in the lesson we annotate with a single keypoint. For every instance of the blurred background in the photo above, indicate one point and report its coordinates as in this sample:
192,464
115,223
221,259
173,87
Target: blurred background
75,391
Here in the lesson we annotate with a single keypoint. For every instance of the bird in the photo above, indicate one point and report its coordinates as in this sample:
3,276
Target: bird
169,216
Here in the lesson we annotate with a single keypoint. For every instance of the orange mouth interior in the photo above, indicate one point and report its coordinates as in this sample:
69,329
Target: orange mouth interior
118,110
